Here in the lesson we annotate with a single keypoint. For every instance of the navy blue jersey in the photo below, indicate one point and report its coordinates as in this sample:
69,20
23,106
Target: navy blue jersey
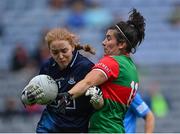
76,117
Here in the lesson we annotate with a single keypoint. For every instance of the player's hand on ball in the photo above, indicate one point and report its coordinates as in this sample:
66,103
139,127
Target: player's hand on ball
42,89
31,94
95,93
35,93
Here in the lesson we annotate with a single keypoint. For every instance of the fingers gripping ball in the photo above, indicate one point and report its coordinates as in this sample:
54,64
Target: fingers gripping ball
24,97
48,86
42,89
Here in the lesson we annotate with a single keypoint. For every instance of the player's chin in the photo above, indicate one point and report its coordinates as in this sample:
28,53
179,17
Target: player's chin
105,54
63,65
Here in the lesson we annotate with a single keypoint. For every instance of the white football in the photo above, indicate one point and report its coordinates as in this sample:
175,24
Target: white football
49,86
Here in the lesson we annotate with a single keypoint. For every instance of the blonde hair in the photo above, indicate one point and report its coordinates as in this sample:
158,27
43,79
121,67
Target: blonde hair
64,34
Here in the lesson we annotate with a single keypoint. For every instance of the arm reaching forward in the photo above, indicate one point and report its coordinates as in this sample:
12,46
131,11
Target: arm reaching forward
93,78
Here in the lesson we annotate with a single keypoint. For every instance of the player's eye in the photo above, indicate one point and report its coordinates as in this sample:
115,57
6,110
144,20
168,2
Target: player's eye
108,37
65,50
55,52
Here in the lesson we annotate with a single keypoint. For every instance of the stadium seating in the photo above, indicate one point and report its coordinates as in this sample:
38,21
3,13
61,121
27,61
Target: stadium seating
24,20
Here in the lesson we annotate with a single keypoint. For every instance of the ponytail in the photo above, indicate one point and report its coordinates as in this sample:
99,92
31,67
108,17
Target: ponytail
136,20
86,48
131,31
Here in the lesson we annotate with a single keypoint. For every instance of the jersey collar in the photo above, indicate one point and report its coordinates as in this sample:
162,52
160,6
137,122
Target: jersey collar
75,54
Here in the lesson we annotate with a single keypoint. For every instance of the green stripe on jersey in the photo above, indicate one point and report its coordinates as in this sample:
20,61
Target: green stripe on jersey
128,72
109,119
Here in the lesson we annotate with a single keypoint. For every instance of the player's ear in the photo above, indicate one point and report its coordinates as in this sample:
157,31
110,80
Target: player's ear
122,45
73,48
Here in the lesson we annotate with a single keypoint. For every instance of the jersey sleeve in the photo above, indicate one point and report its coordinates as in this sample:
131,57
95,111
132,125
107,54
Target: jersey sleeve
139,106
108,66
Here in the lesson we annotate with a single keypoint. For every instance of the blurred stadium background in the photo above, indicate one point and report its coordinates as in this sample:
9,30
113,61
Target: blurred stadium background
23,24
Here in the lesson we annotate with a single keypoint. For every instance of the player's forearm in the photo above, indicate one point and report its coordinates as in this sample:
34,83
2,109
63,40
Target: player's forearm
149,123
93,78
80,88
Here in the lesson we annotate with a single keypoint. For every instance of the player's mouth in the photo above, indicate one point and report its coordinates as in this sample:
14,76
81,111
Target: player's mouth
62,61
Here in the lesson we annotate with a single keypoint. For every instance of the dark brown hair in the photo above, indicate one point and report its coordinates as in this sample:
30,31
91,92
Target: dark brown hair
131,31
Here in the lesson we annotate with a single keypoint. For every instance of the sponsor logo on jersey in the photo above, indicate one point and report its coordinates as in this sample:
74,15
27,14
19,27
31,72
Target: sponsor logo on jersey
105,67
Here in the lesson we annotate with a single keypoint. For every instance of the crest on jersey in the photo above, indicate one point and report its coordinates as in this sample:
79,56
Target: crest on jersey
71,81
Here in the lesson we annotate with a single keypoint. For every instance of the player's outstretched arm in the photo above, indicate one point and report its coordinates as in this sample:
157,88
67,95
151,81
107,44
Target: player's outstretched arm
93,78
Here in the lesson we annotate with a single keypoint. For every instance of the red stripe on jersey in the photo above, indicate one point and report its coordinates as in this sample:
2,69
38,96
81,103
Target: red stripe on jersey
108,65
117,93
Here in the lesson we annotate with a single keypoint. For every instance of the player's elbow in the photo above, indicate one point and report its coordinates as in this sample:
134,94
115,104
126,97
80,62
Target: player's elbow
150,117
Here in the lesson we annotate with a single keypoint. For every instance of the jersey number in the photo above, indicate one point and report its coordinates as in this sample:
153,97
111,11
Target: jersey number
134,87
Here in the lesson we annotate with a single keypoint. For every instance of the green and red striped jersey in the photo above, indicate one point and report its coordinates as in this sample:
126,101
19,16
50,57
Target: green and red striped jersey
118,92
